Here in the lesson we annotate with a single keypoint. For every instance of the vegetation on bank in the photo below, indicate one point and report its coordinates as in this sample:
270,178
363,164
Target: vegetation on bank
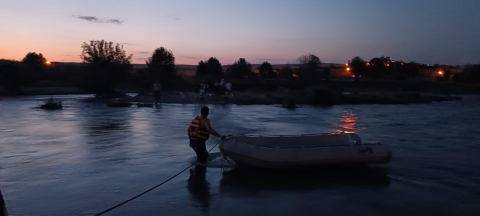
107,72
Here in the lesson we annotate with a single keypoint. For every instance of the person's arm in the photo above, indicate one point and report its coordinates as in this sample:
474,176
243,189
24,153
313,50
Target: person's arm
188,131
211,130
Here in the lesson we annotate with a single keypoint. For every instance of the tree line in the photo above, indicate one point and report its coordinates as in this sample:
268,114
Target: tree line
106,64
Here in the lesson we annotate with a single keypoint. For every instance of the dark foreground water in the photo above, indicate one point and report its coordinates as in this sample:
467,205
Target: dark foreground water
87,157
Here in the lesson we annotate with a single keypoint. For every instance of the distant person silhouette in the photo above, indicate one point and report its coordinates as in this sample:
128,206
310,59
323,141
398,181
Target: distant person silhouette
157,91
198,132
228,90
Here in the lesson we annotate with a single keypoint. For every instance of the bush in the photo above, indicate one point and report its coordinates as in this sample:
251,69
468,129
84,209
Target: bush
211,69
266,70
240,69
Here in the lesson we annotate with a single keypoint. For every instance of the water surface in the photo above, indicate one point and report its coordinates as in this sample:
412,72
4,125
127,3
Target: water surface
88,157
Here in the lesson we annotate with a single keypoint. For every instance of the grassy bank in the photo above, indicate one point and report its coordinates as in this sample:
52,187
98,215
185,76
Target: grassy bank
278,91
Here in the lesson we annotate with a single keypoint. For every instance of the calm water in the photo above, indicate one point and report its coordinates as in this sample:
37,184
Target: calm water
87,157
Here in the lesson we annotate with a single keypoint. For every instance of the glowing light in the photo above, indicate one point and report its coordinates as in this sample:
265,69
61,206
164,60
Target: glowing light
48,63
388,65
346,65
295,75
368,64
440,73
348,69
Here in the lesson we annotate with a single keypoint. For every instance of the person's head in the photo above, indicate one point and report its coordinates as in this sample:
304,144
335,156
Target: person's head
205,111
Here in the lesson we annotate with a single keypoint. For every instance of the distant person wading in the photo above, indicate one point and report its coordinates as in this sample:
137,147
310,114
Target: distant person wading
199,132
157,91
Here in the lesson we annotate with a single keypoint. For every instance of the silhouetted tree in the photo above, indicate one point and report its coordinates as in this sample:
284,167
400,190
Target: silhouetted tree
358,67
471,73
211,69
240,69
377,67
309,67
34,60
266,70
202,69
286,72
161,65
35,64
12,75
108,64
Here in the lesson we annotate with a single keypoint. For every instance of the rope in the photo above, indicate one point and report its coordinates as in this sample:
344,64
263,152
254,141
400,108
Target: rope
153,188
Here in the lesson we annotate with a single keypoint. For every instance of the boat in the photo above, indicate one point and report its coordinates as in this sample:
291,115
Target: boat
303,151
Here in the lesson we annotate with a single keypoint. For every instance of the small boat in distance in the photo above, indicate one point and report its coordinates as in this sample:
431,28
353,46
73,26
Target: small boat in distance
286,152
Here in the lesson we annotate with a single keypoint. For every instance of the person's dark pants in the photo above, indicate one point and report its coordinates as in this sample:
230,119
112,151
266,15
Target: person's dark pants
199,147
158,96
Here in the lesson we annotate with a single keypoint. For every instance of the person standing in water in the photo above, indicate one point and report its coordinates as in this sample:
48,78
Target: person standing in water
198,132
157,91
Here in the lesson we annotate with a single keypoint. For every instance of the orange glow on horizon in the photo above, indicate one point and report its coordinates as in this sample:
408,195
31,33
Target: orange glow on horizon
48,63
348,69
440,73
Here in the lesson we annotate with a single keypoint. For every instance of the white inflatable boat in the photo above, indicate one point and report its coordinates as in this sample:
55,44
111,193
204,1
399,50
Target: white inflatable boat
283,152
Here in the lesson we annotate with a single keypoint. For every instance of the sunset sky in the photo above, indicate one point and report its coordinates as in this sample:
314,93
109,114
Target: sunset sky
278,31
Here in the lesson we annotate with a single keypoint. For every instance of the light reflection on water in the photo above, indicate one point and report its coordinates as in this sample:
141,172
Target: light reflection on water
87,157
348,123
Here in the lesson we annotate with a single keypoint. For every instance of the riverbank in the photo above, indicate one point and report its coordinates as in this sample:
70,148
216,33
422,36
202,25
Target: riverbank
264,91
320,97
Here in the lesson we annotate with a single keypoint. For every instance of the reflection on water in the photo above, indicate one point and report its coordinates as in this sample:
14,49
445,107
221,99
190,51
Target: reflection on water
87,157
348,123
251,181
199,187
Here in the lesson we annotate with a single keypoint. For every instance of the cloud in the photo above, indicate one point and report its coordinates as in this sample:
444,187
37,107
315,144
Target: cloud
173,17
190,57
97,20
140,58
114,21
145,52
266,59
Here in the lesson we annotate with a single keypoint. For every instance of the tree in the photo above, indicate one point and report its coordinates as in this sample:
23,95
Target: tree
34,60
309,64
378,67
202,69
161,65
358,67
108,63
286,72
266,70
240,69
210,69
12,75
35,65
214,68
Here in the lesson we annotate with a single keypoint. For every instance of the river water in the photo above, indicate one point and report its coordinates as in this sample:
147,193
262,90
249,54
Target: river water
88,157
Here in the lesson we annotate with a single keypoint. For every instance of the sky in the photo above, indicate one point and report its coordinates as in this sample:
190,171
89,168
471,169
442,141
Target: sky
278,31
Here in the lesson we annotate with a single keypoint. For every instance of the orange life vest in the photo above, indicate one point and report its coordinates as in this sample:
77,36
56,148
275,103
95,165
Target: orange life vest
197,130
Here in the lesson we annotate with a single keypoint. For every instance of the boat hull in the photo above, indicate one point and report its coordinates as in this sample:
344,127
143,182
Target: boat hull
286,157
